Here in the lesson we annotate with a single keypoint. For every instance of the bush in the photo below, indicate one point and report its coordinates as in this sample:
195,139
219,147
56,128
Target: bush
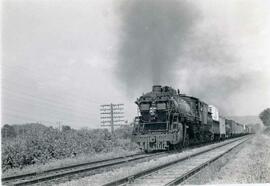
46,143
265,117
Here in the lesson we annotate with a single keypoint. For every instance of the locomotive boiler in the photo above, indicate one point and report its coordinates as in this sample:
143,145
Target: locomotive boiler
170,120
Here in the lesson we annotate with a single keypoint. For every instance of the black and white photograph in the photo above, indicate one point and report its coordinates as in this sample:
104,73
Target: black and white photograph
135,92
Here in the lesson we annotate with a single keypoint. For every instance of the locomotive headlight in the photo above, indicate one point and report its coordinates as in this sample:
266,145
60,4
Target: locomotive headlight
152,111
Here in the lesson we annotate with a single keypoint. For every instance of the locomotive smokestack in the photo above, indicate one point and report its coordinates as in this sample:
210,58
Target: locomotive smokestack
156,88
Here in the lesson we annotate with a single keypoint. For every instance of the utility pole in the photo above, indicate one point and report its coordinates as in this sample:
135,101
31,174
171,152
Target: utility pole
58,125
112,115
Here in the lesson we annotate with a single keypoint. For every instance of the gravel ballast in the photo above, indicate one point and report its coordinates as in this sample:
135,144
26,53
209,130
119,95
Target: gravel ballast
249,163
106,177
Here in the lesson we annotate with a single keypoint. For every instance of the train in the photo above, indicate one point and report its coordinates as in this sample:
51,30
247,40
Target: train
169,120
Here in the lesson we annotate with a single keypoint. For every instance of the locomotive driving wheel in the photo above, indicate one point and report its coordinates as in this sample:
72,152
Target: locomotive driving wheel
212,137
179,146
186,141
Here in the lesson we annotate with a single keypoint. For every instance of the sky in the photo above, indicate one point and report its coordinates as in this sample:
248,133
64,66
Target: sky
62,59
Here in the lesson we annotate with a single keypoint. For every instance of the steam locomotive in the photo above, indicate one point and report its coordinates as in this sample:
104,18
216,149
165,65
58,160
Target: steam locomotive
169,120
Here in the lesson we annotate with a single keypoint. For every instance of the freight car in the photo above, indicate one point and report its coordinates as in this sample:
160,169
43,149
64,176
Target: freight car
218,124
247,129
234,129
170,120
229,127
219,129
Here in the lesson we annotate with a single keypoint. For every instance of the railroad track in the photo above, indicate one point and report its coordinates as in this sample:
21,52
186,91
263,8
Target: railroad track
176,171
38,177
52,174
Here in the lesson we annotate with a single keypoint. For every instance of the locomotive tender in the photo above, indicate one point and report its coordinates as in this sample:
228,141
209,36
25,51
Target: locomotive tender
170,120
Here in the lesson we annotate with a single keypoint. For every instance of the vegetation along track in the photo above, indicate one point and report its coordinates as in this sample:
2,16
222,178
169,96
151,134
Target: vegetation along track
174,172
37,177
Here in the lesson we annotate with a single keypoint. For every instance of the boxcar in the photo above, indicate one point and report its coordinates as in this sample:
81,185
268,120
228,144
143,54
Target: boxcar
238,129
222,127
229,128
235,128
218,128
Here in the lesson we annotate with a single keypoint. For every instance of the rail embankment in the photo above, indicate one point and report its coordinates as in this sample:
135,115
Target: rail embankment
249,163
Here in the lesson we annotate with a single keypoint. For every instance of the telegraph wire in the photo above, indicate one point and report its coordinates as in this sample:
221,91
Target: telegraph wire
17,84
29,119
52,112
44,101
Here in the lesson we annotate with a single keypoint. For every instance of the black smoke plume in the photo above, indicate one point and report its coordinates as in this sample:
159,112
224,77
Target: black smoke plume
171,43
153,34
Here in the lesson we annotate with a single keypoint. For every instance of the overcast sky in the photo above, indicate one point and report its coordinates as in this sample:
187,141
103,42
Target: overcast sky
61,59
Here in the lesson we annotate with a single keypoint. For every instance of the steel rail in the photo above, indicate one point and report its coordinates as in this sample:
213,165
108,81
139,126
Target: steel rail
197,169
7,178
131,178
36,177
74,169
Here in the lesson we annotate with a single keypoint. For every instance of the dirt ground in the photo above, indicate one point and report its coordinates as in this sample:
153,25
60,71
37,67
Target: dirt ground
249,163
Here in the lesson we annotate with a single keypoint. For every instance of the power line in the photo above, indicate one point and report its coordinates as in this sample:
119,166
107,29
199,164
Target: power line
72,95
27,118
37,79
49,114
33,99
31,119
